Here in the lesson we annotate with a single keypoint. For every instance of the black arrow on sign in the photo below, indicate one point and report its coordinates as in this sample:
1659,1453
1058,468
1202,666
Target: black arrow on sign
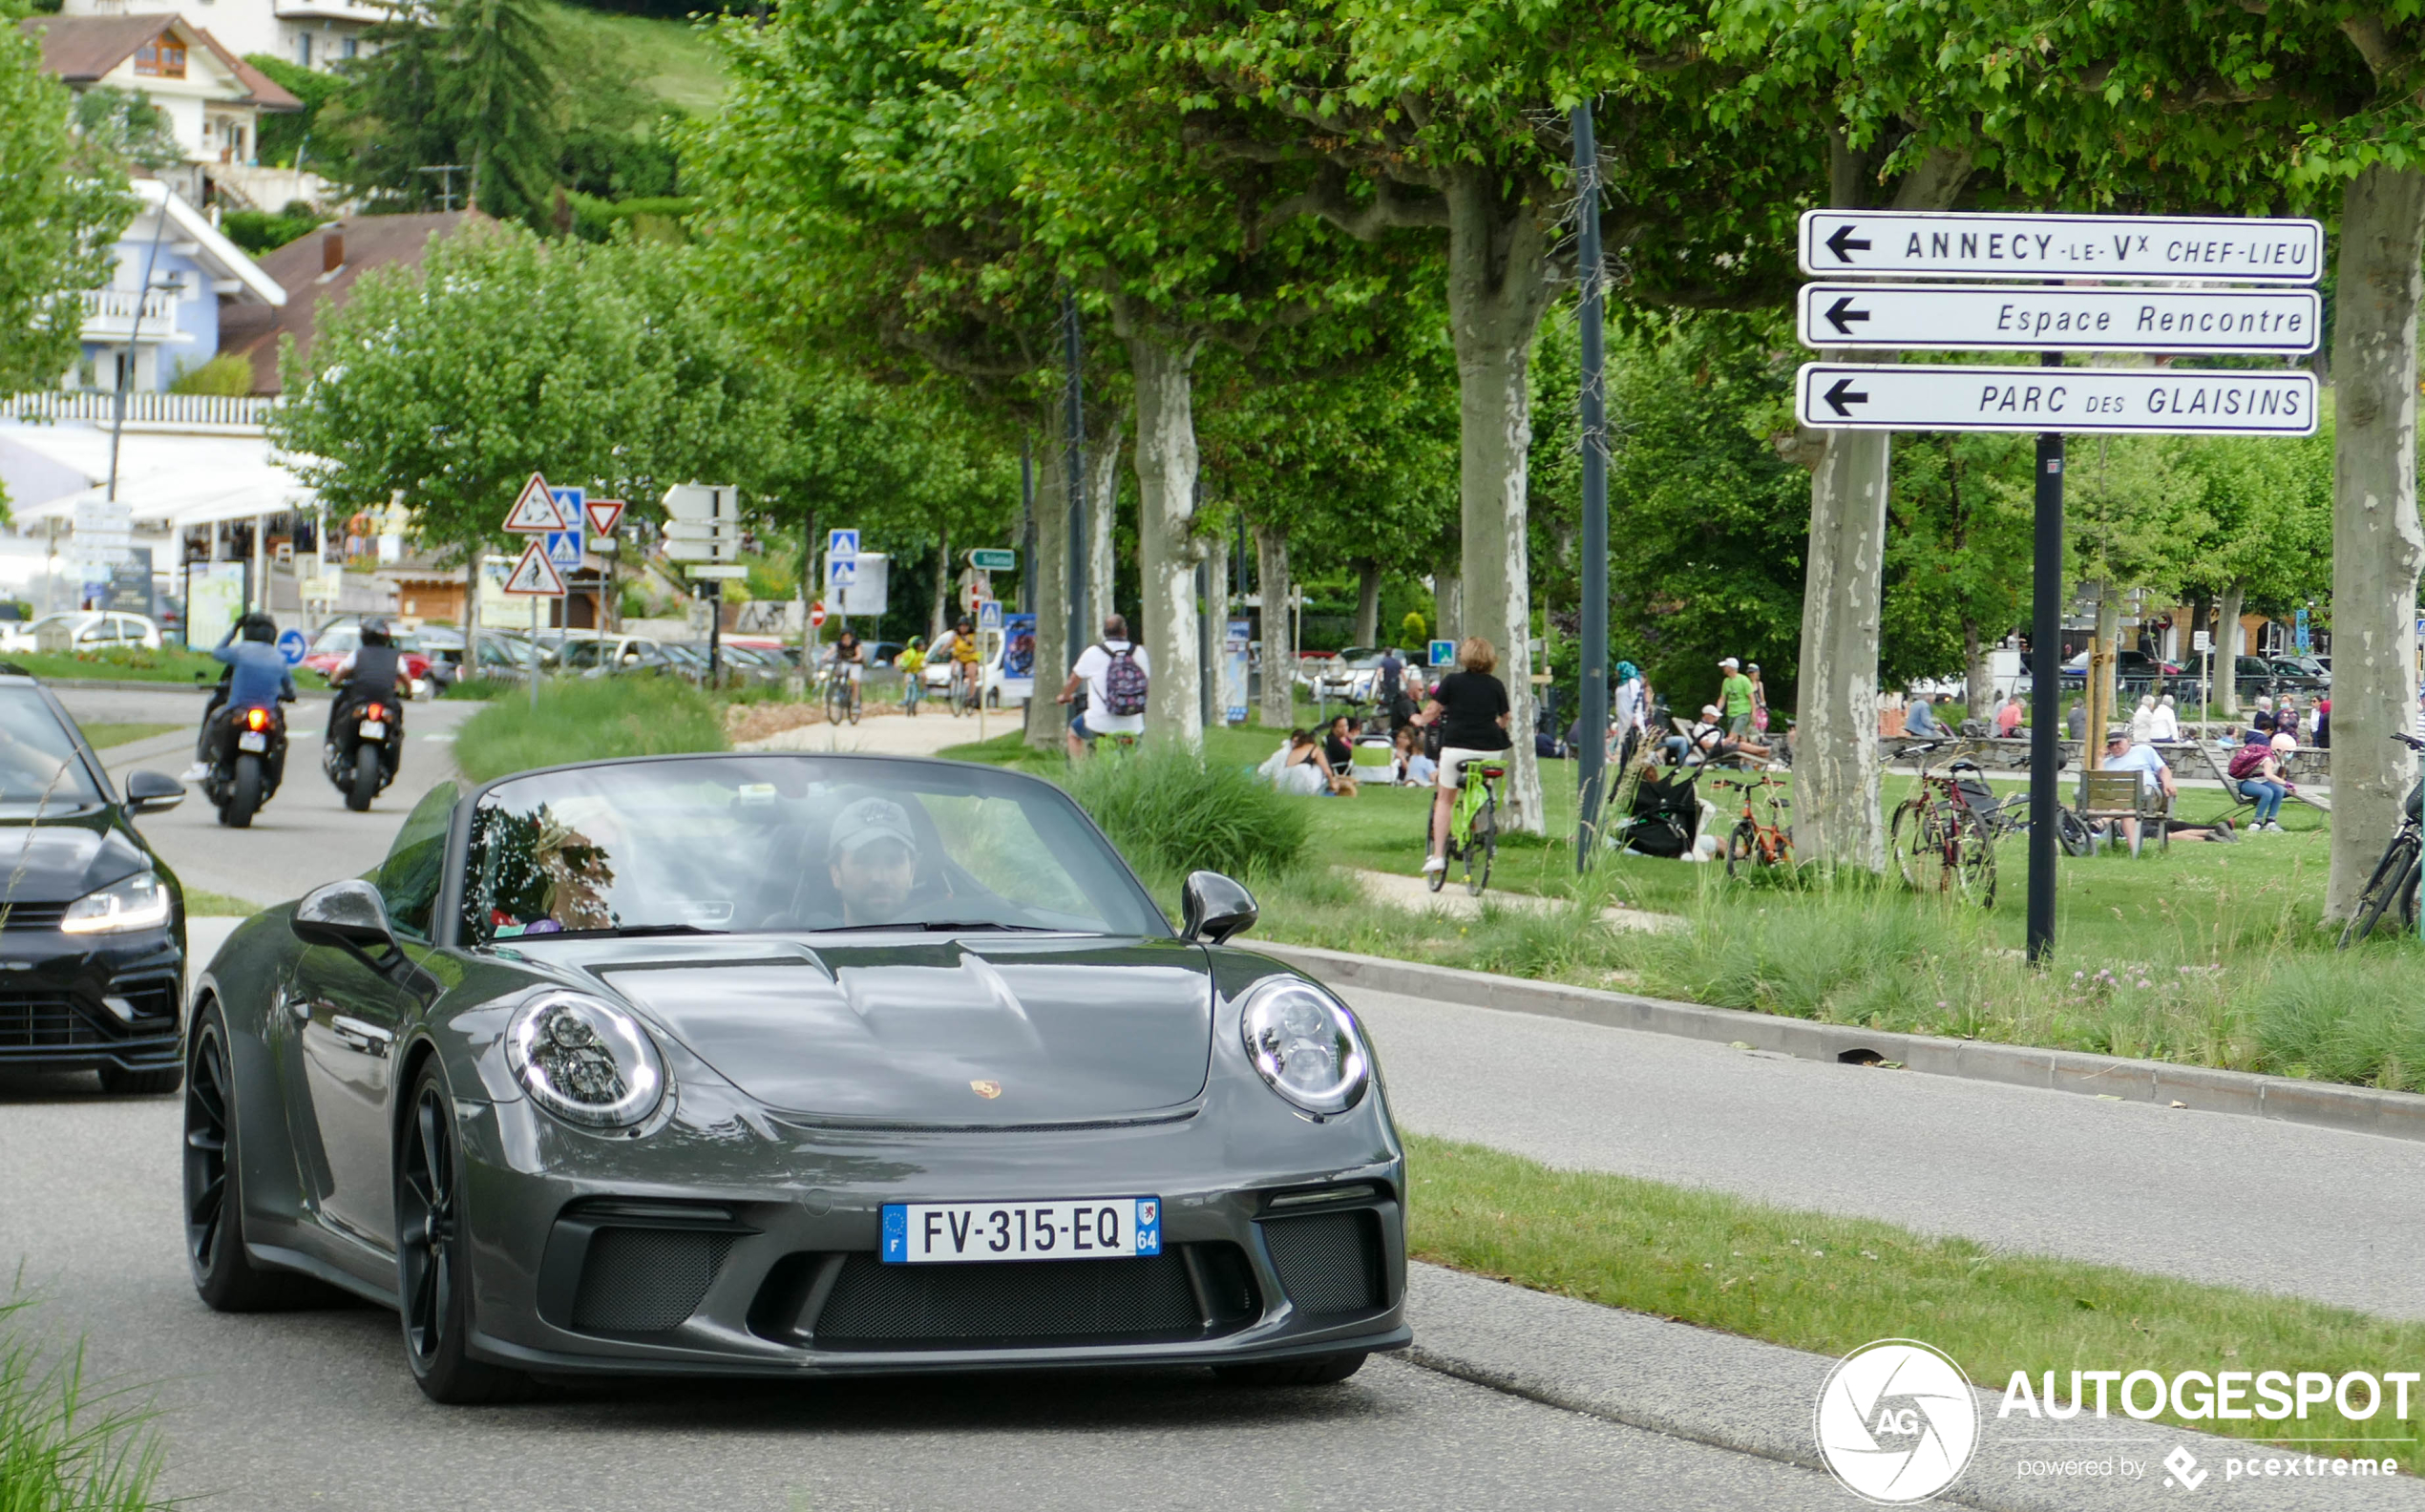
1842,311
1842,395
1843,244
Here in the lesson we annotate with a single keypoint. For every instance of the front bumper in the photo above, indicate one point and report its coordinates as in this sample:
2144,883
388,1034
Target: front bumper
602,1272
85,1002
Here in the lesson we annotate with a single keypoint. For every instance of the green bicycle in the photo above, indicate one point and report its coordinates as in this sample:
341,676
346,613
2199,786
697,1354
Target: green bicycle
1473,829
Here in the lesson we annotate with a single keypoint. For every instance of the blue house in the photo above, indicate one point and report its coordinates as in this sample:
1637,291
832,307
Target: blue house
160,312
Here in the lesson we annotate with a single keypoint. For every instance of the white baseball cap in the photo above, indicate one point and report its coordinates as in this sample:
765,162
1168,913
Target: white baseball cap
1729,662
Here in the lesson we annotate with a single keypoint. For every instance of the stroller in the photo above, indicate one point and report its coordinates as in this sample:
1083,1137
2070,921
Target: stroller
1664,817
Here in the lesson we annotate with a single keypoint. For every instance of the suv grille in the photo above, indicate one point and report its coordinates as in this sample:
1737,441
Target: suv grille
875,1306
32,916
38,1024
1328,1263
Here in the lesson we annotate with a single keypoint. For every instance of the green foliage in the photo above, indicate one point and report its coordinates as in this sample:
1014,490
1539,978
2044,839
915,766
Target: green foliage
1174,810
1958,544
227,375
1413,632
468,82
61,209
287,135
168,664
65,1446
125,127
260,231
587,719
658,219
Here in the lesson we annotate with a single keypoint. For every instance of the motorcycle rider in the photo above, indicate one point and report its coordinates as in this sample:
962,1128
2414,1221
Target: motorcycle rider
255,675
374,670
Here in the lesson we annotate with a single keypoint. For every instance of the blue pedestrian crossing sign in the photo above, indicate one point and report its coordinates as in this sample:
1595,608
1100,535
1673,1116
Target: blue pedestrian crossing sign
292,645
990,613
842,571
564,549
1442,652
842,543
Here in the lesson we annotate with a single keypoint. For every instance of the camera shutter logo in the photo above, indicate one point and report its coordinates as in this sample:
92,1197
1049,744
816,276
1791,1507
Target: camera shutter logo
1897,1421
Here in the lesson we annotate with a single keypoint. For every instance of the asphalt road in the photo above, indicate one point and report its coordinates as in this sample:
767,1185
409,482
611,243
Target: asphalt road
305,835
2247,1201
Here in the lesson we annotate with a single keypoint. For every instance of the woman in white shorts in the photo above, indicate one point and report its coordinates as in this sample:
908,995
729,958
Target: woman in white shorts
1472,708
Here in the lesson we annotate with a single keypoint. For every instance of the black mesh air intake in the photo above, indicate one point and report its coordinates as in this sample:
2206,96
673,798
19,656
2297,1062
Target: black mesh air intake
646,1280
1328,1263
875,1306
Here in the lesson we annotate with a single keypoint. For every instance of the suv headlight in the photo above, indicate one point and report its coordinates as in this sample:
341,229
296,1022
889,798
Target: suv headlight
131,903
585,1060
1306,1045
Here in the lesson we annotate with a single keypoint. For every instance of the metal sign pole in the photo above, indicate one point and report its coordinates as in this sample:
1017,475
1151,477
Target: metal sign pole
2046,691
534,653
1591,754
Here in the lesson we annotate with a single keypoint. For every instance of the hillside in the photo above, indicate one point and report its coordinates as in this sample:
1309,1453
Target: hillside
681,63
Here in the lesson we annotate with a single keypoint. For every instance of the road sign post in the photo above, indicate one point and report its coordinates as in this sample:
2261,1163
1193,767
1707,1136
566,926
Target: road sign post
2046,691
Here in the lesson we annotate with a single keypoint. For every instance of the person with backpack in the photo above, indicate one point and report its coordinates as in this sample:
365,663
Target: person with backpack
2257,777
1117,675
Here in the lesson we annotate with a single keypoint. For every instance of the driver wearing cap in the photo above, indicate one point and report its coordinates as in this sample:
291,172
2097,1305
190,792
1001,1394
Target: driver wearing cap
872,860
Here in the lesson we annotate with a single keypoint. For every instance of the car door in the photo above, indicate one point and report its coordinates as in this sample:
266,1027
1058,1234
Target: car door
351,1018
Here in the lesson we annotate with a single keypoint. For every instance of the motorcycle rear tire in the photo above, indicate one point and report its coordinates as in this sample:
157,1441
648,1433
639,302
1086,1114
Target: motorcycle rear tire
366,779
243,792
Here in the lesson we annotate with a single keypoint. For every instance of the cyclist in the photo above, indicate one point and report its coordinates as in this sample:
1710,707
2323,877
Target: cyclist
1116,673
963,644
912,662
850,664
1471,707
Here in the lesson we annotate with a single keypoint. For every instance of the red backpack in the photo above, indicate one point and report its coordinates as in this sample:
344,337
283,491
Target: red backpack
2246,760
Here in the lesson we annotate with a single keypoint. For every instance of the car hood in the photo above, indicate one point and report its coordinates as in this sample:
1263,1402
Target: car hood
987,1030
60,860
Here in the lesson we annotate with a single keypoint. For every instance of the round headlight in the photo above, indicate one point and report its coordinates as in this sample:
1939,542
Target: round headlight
585,1060
1306,1045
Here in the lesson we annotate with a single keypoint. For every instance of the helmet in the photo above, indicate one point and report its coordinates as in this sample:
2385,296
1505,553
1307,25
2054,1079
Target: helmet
259,626
965,623
374,632
917,641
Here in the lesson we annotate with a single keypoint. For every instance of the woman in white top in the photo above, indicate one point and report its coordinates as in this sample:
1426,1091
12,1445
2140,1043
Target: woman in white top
2165,727
2142,720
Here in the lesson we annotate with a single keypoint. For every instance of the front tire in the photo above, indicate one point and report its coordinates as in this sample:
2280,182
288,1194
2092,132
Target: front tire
1743,848
433,1280
224,1275
2395,877
1324,1370
243,793
1482,846
366,779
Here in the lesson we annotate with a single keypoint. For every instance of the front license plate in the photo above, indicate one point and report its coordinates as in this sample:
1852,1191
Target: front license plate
1091,1228
252,741
374,729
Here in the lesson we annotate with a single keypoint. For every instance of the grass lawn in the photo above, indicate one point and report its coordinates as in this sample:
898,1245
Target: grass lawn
2208,954
106,733
200,904
674,60
168,664
1831,1284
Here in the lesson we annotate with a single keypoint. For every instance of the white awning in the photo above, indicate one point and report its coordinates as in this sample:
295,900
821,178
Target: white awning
170,481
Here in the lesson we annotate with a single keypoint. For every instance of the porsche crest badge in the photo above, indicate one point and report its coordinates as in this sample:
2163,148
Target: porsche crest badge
986,1089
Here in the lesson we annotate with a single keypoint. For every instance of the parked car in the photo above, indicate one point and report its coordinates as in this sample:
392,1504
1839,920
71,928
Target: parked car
2132,669
91,630
598,656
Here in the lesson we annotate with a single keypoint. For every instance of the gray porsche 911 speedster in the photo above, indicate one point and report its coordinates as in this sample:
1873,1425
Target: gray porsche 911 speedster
787,1064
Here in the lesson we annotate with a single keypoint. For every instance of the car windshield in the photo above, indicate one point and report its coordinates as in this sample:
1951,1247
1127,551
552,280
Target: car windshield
40,772
739,844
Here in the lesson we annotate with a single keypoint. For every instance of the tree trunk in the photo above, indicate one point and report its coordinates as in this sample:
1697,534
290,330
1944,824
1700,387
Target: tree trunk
1367,602
1166,547
470,610
1217,614
1048,721
2376,546
1278,702
1836,770
1103,498
942,587
1447,605
2108,710
2228,650
1980,671
1497,286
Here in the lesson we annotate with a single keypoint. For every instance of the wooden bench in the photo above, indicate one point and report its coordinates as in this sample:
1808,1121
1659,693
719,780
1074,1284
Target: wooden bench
2108,795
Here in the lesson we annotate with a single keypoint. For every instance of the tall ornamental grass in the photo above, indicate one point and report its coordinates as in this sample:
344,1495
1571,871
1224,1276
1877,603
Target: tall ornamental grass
65,1447
588,719
1172,811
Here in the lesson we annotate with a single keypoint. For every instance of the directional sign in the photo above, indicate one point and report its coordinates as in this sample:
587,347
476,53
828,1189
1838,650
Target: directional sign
534,510
986,558
605,516
2150,400
842,543
563,548
703,501
292,645
1973,317
1835,242
535,575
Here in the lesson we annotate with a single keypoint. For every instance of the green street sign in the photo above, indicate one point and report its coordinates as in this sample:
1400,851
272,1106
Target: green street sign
993,559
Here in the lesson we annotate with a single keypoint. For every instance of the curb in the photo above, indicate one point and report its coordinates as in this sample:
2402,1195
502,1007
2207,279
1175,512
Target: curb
2325,1104
154,685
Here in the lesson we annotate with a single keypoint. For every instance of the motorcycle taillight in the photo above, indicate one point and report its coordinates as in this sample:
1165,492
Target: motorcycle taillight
376,711
257,719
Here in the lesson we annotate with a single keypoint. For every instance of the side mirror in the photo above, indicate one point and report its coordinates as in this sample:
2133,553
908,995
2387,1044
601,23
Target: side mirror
348,913
151,791
1214,908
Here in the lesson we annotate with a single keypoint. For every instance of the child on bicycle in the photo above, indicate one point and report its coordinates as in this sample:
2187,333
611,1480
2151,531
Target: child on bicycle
1471,707
912,662
850,663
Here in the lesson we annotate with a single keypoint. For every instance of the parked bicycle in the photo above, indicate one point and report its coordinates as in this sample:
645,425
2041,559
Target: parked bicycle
1940,842
1758,840
1473,828
2395,875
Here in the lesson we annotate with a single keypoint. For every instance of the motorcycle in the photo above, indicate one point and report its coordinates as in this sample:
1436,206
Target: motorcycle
247,759
365,750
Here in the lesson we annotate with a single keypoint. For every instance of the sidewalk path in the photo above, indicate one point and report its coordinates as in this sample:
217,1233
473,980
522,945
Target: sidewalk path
2246,1202
891,734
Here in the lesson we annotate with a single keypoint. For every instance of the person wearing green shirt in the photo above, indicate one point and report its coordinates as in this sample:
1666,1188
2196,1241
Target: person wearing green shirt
1733,695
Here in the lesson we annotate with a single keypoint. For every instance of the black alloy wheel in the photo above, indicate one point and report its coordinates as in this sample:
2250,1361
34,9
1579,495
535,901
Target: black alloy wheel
433,1260
223,1275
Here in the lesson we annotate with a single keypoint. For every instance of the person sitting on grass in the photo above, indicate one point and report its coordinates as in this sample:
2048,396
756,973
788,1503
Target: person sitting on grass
1711,744
1415,770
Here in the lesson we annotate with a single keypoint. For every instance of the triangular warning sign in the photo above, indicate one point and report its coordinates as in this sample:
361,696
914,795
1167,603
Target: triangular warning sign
535,574
605,515
536,510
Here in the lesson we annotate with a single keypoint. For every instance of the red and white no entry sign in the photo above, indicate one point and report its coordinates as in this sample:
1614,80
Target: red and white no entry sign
816,614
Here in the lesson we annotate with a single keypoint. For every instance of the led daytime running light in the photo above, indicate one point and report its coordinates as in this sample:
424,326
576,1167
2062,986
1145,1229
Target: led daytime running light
136,902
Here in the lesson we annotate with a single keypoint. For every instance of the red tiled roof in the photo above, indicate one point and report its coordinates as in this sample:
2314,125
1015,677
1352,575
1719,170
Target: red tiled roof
81,50
252,331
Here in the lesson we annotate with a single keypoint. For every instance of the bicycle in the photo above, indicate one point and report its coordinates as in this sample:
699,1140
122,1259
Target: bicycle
1473,828
963,687
2395,875
1940,842
1753,843
841,696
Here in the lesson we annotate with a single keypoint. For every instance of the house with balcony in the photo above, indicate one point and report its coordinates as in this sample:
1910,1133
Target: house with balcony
174,278
314,33
212,97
